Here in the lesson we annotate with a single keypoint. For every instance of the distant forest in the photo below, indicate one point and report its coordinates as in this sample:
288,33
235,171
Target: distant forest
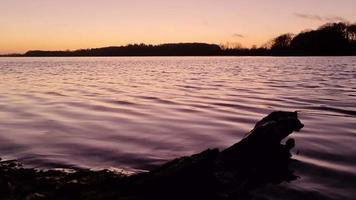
332,39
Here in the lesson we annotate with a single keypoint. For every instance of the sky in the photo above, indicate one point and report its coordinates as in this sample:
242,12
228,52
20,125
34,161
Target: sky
75,24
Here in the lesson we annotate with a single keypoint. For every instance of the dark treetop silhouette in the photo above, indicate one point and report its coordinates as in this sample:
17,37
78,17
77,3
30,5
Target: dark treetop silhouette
255,161
328,40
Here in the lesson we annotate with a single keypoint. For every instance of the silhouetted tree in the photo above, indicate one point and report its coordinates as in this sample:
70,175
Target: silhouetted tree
280,45
329,39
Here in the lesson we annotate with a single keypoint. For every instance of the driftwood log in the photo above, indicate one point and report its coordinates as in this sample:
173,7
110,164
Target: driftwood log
256,160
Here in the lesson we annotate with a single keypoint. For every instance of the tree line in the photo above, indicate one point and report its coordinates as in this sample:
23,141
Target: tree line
332,39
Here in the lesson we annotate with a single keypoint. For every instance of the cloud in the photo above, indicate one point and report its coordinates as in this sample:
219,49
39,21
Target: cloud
307,16
321,18
238,35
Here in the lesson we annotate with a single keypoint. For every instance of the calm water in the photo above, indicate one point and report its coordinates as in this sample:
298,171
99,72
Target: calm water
135,113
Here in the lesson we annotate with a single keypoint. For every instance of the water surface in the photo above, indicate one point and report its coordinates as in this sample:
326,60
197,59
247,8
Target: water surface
136,113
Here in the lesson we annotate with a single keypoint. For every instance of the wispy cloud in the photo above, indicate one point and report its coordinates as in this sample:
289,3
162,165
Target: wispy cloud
238,35
308,16
321,18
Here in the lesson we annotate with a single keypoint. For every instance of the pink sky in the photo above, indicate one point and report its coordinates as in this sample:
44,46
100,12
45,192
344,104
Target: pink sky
73,24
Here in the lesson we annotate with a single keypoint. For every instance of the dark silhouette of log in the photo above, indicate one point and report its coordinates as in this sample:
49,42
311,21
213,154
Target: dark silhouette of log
256,160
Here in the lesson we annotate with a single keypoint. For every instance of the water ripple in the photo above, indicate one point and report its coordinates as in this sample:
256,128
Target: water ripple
136,113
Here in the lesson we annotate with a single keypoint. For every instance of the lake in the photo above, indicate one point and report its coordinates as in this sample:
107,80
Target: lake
136,113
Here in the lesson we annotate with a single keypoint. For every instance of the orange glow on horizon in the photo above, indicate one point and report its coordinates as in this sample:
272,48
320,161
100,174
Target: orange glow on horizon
69,25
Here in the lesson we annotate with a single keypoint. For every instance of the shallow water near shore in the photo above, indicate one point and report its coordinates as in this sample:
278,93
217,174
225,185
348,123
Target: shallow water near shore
136,113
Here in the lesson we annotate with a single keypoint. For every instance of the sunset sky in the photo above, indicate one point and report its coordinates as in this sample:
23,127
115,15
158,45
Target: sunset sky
74,24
